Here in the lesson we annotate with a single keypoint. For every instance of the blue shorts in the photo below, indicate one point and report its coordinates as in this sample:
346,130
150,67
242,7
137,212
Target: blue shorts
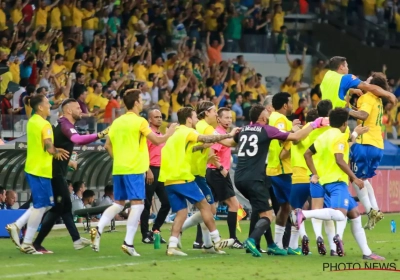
129,187
202,184
299,194
42,192
316,190
179,193
340,196
282,185
352,203
365,159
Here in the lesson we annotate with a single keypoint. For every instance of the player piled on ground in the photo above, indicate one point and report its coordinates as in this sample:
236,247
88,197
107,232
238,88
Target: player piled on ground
366,154
128,148
332,147
38,170
207,114
253,142
177,174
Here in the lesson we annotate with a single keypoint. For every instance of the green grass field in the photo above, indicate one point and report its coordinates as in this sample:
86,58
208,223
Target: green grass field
112,263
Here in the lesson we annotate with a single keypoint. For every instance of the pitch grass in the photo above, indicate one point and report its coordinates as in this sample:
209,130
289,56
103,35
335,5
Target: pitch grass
111,263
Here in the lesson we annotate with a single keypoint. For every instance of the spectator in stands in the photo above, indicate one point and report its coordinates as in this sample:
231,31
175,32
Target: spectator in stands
78,187
296,65
214,49
282,41
7,110
237,108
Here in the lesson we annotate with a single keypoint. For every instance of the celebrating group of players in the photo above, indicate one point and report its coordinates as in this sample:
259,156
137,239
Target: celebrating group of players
193,156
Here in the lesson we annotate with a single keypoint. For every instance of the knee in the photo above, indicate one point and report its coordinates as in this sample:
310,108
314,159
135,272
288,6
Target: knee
233,204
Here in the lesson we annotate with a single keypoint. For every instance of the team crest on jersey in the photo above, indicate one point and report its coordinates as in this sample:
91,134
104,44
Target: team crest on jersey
208,197
73,130
341,147
51,199
346,202
281,126
49,131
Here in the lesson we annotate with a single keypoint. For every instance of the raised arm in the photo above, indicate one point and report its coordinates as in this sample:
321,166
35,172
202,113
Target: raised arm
378,91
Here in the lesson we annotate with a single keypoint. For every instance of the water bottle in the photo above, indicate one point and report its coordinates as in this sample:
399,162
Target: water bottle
392,226
74,158
157,239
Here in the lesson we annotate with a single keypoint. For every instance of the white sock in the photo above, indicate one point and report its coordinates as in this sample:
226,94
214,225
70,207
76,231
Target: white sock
340,227
279,232
317,226
23,220
359,234
192,221
206,235
371,195
33,223
108,215
294,238
302,230
330,233
133,222
173,242
214,236
325,214
363,197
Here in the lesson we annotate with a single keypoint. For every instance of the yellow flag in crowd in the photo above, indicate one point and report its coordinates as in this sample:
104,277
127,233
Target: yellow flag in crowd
240,215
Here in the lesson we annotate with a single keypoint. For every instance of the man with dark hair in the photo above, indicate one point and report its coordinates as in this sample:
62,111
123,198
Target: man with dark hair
337,82
367,153
254,142
65,136
38,170
279,168
78,188
177,174
299,113
153,185
333,148
126,144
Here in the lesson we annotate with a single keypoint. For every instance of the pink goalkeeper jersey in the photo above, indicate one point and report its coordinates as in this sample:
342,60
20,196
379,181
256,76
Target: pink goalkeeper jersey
223,152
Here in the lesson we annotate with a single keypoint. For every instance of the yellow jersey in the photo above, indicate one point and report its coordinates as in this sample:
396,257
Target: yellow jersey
301,173
200,158
129,145
276,166
372,105
329,143
176,157
38,161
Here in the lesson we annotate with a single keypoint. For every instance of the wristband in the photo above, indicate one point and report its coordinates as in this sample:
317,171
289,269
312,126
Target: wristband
221,168
354,134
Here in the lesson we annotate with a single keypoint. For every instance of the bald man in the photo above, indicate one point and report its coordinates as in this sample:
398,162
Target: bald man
153,185
11,198
65,136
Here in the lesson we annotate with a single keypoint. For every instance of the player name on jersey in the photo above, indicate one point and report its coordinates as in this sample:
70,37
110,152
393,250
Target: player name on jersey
252,128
